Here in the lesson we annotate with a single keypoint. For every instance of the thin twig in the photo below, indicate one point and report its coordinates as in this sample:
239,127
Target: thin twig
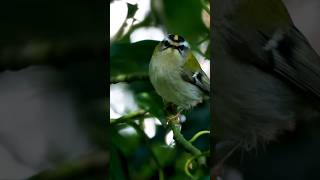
189,161
205,7
129,78
206,38
129,117
196,136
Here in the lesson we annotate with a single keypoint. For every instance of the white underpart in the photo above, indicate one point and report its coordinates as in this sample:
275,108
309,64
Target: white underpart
165,75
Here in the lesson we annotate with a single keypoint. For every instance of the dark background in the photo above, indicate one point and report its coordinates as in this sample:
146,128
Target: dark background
53,92
294,155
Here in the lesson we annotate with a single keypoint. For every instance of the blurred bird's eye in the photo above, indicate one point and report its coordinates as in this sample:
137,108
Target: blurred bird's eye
166,43
181,47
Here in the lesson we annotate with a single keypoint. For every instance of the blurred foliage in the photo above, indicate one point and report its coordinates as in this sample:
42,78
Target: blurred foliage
83,169
69,38
136,156
184,18
129,58
52,20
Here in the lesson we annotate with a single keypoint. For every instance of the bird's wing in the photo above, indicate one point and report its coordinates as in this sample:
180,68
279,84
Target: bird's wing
193,74
262,33
294,59
285,53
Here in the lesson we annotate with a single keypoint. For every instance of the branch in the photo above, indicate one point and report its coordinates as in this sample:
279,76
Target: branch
175,127
45,53
129,117
196,136
129,78
93,165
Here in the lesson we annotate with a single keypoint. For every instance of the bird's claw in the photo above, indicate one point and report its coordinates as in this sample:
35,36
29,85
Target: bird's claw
175,119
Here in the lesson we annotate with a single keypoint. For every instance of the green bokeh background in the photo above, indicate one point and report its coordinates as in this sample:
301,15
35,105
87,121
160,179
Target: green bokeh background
131,156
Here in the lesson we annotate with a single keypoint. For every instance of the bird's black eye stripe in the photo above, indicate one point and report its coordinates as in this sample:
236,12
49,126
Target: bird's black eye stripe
171,37
180,39
167,44
176,38
180,48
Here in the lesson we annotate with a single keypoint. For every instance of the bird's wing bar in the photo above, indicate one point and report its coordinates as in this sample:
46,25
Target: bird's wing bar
295,60
192,73
198,79
286,53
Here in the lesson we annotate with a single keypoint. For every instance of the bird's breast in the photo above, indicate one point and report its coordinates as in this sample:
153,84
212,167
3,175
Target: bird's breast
165,76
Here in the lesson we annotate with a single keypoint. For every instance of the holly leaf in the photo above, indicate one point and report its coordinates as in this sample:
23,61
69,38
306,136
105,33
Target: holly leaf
132,9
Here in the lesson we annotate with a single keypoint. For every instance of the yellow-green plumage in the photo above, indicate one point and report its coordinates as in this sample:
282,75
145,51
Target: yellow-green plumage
172,73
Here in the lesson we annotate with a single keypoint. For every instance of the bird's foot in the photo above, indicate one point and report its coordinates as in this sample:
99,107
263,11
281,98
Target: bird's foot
174,118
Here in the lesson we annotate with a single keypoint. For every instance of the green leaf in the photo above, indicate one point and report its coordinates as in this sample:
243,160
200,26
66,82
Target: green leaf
125,144
164,154
152,103
184,18
128,58
132,9
148,99
134,59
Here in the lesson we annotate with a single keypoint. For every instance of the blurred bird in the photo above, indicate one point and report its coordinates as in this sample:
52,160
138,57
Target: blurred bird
176,74
266,76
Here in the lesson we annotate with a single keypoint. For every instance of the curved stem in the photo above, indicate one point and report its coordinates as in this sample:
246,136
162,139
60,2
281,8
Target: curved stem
196,136
181,140
128,78
186,166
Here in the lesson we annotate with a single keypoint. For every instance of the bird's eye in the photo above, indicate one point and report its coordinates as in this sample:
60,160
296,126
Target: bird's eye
166,43
181,47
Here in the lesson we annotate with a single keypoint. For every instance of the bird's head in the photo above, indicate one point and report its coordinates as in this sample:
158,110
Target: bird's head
175,44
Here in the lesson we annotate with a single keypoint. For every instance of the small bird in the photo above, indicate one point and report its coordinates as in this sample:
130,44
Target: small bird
266,76
176,74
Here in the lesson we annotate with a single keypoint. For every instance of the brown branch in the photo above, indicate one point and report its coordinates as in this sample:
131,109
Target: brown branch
45,53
